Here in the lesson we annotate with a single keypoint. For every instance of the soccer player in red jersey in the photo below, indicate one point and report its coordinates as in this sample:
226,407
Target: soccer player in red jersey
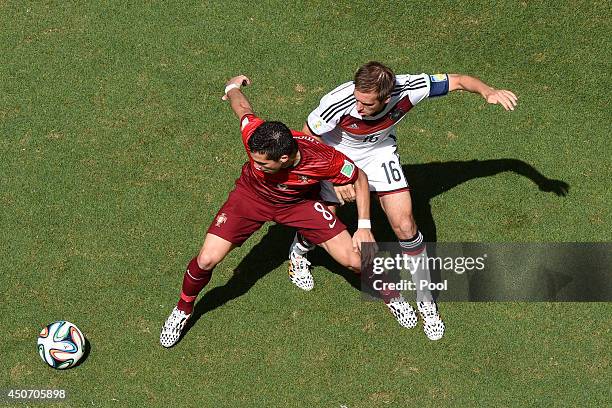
279,183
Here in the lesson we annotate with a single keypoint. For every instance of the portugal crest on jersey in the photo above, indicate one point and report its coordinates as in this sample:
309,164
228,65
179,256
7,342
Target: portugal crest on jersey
303,179
221,219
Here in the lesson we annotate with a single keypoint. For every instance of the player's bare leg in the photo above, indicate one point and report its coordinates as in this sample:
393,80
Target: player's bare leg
340,248
299,266
398,208
198,274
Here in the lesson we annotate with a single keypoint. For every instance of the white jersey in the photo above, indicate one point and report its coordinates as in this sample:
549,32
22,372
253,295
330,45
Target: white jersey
337,121
370,141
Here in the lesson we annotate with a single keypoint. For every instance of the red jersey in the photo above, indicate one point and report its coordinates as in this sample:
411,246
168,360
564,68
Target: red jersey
318,162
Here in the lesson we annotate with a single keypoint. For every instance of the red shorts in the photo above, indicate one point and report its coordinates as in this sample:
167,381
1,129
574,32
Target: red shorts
244,213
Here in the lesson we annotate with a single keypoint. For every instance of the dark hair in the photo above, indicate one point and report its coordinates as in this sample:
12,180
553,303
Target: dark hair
273,139
375,77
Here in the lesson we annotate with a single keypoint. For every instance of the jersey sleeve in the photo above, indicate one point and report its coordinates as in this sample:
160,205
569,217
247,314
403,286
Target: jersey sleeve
331,108
415,87
248,124
342,170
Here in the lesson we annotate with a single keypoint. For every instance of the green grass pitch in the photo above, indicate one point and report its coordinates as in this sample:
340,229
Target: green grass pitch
116,151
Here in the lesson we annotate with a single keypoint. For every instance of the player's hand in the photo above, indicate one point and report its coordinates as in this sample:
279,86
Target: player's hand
345,194
504,98
368,252
240,80
360,236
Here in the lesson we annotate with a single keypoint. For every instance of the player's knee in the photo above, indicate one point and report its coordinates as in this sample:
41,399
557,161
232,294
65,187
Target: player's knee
207,261
406,228
353,262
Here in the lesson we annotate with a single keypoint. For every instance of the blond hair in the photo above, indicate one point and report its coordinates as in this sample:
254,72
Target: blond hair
375,77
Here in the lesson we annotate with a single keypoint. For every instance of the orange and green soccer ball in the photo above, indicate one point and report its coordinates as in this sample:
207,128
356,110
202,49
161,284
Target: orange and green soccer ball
61,345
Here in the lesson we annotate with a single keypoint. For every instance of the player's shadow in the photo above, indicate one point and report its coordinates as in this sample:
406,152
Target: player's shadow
427,181
267,255
432,179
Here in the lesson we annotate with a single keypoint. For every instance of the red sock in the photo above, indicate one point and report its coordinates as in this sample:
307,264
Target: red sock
388,295
193,282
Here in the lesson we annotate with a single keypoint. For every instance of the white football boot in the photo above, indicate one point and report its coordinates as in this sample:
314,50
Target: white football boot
403,312
299,266
171,332
433,326
299,272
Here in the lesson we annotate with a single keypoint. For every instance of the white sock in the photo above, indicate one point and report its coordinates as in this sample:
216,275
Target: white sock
421,273
300,245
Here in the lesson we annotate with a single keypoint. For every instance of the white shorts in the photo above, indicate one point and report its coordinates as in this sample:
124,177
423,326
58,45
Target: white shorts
384,171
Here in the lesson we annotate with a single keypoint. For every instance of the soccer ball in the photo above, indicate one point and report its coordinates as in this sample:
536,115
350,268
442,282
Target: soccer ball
61,344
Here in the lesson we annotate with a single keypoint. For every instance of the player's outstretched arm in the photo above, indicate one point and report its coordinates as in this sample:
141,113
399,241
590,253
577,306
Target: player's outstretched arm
364,230
238,102
502,97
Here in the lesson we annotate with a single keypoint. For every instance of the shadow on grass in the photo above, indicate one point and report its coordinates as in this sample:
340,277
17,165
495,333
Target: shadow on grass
86,352
266,256
427,181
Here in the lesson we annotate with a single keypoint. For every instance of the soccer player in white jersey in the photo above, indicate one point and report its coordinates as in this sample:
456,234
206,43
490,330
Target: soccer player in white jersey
358,118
